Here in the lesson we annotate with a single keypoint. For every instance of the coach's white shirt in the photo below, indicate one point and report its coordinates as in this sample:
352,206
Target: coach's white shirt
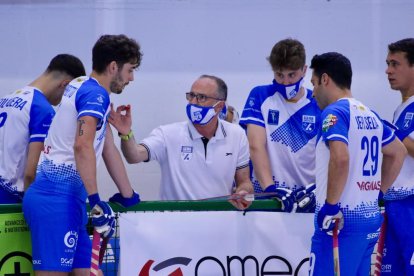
188,172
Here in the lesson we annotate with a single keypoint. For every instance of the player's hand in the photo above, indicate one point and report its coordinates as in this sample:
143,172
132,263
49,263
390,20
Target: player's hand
101,214
284,196
125,201
121,118
240,200
305,199
327,216
110,230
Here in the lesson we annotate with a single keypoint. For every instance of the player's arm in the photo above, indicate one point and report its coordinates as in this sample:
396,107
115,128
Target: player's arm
394,154
259,155
115,165
85,153
35,148
337,170
409,145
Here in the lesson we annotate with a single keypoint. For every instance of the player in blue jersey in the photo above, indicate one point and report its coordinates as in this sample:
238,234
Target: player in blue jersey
399,200
55,204
25,117
282,120
356,156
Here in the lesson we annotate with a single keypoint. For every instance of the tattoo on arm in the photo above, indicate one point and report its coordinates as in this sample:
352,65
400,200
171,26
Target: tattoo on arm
80,123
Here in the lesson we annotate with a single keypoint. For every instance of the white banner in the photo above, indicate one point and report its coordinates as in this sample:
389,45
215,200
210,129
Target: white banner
215,243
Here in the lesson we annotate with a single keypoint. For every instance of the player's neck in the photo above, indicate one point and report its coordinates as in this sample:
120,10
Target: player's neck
103,80
406,94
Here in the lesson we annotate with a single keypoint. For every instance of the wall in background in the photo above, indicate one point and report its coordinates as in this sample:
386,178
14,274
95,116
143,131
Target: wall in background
182,39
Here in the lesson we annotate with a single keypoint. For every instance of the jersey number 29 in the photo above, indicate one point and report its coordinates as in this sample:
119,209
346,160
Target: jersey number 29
371,149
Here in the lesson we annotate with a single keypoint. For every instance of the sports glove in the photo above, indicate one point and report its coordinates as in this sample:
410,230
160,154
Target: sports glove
327,216
125,201
102,215
283,195
109,232
305,199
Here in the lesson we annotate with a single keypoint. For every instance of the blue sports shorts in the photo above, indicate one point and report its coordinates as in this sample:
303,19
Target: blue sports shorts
355,251
398,256
57,224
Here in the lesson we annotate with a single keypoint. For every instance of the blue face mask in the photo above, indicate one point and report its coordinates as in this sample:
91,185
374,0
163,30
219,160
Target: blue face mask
288,91
223,113
200,115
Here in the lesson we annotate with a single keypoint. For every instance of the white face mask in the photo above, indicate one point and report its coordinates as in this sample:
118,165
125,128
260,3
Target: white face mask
200,115
288,91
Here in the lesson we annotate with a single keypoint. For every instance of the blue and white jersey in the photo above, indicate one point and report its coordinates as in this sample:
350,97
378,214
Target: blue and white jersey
25,117
403,186
291,131
57,167
349,121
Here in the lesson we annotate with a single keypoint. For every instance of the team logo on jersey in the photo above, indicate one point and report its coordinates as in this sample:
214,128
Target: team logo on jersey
408,120
328,122
186,152
273,117
308,123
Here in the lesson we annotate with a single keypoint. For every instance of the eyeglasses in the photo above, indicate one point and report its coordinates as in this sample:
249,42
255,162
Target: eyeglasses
200,97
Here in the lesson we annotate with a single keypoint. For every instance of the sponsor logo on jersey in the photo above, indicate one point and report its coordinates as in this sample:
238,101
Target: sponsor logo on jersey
408,120
100,99
71,239
186,152
369,185
273,117
308,123
329,121
251,102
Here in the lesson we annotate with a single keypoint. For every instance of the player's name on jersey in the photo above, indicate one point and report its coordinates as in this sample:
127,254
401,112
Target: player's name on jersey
15,102
366,122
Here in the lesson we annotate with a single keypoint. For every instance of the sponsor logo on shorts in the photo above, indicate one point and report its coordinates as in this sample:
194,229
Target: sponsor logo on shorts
71,239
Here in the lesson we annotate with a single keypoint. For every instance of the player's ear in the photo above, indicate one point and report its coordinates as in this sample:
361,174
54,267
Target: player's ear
324,79
64,83
113,67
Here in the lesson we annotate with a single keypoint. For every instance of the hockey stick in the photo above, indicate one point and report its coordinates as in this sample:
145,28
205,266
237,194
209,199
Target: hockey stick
380,246
252,196
335,243
103,249
96,240
98,252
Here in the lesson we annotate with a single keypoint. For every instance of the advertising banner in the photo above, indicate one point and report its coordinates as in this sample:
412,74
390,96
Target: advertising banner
215,243
15,246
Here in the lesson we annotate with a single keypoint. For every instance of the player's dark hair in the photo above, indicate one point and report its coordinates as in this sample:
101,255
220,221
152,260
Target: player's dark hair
336,66
118,48
404,45
67,64
221,86
287,54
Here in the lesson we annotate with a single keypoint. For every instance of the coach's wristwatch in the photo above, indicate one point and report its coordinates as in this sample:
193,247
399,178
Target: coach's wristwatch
126,137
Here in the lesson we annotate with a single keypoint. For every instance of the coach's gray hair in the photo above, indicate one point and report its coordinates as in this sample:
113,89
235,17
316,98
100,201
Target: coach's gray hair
221,86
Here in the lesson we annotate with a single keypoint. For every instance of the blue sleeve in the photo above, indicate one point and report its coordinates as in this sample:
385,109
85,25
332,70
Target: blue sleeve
404,123
388,130
92,101
41,115
252,112
335,122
